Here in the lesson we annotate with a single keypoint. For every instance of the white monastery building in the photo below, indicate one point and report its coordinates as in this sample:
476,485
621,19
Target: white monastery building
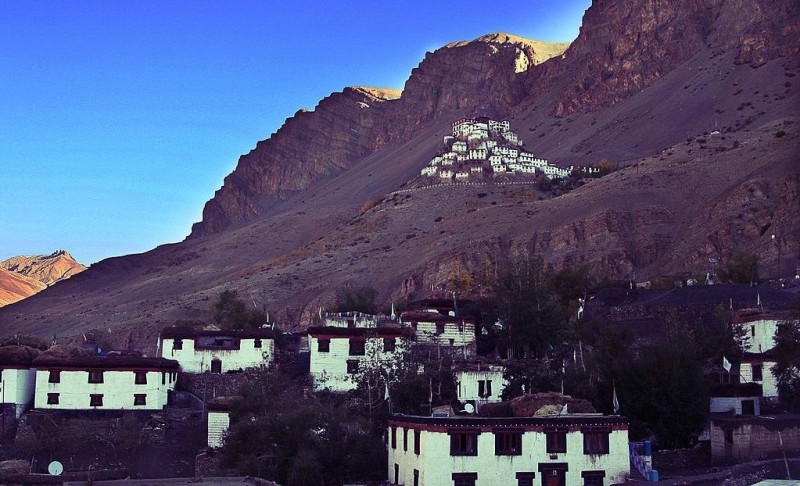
490,143
218,351
478,384
17,377
339,354
560,450
103,382
435,330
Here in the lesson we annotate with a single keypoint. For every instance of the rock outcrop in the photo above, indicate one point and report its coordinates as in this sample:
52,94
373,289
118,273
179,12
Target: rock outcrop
23,276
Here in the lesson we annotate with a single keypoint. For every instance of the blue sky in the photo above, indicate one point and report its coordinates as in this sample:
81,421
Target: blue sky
119,119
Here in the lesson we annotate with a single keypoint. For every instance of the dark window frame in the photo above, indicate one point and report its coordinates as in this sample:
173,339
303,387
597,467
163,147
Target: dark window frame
405,439
95,376
464,442
352,366
140,377
556,441
593,478
525,478
55,376
177,344
464,478
96,400
508,442
417,440
52,398
758,371
357,347
596,441
389,345
139,399
393,437
257,343
323,345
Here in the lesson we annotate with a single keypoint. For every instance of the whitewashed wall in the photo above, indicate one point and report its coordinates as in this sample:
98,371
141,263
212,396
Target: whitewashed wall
732,404
769,383
17,387
193,360
329,370
436,465
118,390
760,335
218,423
468,385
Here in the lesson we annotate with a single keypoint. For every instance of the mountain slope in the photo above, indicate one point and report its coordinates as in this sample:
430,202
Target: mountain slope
23,276
290,224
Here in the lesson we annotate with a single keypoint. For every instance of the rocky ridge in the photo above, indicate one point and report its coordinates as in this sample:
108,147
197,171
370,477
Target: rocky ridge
706,146
23,276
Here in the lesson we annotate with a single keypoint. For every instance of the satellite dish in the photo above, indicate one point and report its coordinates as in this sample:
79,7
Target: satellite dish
469,408
55,468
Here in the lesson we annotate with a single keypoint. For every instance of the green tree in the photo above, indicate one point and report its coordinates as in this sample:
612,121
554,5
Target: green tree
741,268
357,299
230,312
532,316
787,367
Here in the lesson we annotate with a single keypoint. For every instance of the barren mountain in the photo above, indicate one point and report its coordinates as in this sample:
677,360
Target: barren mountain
23,276
695,101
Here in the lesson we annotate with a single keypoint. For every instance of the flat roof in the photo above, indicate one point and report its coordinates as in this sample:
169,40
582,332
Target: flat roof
464,421
45,361
189,333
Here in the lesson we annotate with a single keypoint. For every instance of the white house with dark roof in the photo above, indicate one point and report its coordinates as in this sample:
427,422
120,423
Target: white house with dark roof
431,328
200,351
479,383
103,382
17,377
560,450
339,354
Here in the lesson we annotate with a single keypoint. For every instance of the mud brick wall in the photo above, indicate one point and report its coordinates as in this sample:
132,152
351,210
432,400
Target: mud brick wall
212,385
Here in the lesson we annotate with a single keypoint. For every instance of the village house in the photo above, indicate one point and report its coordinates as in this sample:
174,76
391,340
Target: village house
339,354
459,147
757,368
200,351
428,171
759,328
479,383
103,382
446,174
442,332
559,450
751,437
17,378
461,175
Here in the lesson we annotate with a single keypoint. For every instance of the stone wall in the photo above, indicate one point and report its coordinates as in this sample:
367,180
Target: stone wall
211,385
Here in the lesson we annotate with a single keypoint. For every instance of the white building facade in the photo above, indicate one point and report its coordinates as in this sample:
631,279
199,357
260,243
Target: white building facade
218,351
468,451
103,383
339,355
455,335
478,384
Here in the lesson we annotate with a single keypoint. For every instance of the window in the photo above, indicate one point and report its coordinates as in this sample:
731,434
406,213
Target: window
52,398
464,479
55,376
440,328
141,377
324,345
508,442
405,440
140,399
388,344
96,376
95,400
216,365
464,443
593,478
595,441
177,344
748,407
352,366
525,478
257,343
758,374
357,347
416,477
417,438
556,441
394,437
164,377
484,388
753,331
